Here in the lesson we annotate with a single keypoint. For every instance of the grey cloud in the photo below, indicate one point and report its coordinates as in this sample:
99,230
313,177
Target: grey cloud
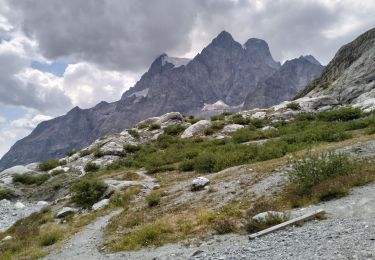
14,91
128,35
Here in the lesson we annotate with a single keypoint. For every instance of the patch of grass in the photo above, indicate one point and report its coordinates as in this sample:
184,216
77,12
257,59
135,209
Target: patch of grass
48,165
134,133
153,198
217,117
30,179
7,194
246,134
253,226
343,114
240,120
205,162
57,172
293,106
91,167
129,148
142,126
50,237
174,130
85,152
224,226
186,165
87,192
192,120
153,234
314,169
123,198
154,127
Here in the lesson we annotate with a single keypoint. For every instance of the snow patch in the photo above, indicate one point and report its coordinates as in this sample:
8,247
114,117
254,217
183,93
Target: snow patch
218,105
177,62
139,94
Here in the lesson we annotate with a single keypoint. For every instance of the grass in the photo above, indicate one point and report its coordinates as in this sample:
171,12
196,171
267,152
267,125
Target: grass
48,165
153,198
293,106
154,127
134,133
174,130
6,193
91,167
30,179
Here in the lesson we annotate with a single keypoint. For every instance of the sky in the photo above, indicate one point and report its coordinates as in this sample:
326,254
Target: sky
55,55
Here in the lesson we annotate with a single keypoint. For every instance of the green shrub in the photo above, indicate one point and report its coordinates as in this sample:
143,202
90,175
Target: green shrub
49,239
134,133
91,167
246,134
218,117
186,165
29,179
205,162
192,120
342,114
129,148
257,122
153,198
293,106
240,120
174,129
48,165
154,127
57,172
142,126
314,169
86,192
6,193
208,131
85,152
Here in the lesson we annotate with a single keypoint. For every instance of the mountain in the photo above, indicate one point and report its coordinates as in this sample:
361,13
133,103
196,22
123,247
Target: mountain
283,84
350,76
220,77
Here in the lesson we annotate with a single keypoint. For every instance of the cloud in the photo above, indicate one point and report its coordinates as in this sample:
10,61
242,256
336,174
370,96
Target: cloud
2,120
29,122
128,35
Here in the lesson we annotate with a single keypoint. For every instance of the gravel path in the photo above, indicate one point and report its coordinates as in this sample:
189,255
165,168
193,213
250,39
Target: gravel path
348,233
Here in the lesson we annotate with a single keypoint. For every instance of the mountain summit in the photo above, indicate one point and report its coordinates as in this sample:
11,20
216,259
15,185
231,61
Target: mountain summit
225,72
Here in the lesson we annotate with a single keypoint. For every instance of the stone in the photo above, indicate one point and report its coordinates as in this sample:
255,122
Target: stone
268,127
199,183
196,129
231,128
42,203
19,205
262,217
66,211
7,238
5,202
100,204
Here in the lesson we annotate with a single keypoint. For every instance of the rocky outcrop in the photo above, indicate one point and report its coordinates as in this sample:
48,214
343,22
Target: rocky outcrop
282,85
350,76
196,129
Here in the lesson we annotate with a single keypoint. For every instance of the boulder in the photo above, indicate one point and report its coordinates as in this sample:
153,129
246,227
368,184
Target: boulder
262,217
231,128
7,238
13,170
66,211
5,203
268,127
19,205
196,129
165,120
199,183
100,204
42,203
259,115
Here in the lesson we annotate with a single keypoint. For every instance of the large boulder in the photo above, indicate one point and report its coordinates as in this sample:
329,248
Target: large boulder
231,128
100,204
196,129
199,183
164,120
65,211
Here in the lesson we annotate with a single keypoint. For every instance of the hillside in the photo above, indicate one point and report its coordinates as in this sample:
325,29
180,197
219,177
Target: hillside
224,72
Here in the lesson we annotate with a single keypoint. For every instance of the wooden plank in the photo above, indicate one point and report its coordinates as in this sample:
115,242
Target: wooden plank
285,224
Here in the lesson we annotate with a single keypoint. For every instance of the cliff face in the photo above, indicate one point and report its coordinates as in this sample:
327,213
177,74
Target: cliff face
225,72
284,83
350,76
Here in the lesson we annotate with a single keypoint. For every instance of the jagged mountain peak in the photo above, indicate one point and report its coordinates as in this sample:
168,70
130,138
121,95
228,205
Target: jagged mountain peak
311,59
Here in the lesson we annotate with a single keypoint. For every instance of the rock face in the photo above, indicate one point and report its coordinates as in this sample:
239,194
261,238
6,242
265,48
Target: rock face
282,85
350,76
220,77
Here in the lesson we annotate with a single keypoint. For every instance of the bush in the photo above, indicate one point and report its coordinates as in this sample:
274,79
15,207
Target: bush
129,148
153,198
218,117
342,114
6,193
205,162
48,165
91,167
246,134
57,172
134,133
208,131
85,192
49,239
240,120
85,152
293,106
312,170
142,126
174,129
29,179
186,165
154,127
224,226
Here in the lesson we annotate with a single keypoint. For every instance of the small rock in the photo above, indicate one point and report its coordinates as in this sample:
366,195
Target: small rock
5,202
42,203
100,205
19,205
7,238
262,217
199,183
66,211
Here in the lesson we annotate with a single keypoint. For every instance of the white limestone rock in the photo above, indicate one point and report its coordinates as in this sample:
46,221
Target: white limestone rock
196,129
